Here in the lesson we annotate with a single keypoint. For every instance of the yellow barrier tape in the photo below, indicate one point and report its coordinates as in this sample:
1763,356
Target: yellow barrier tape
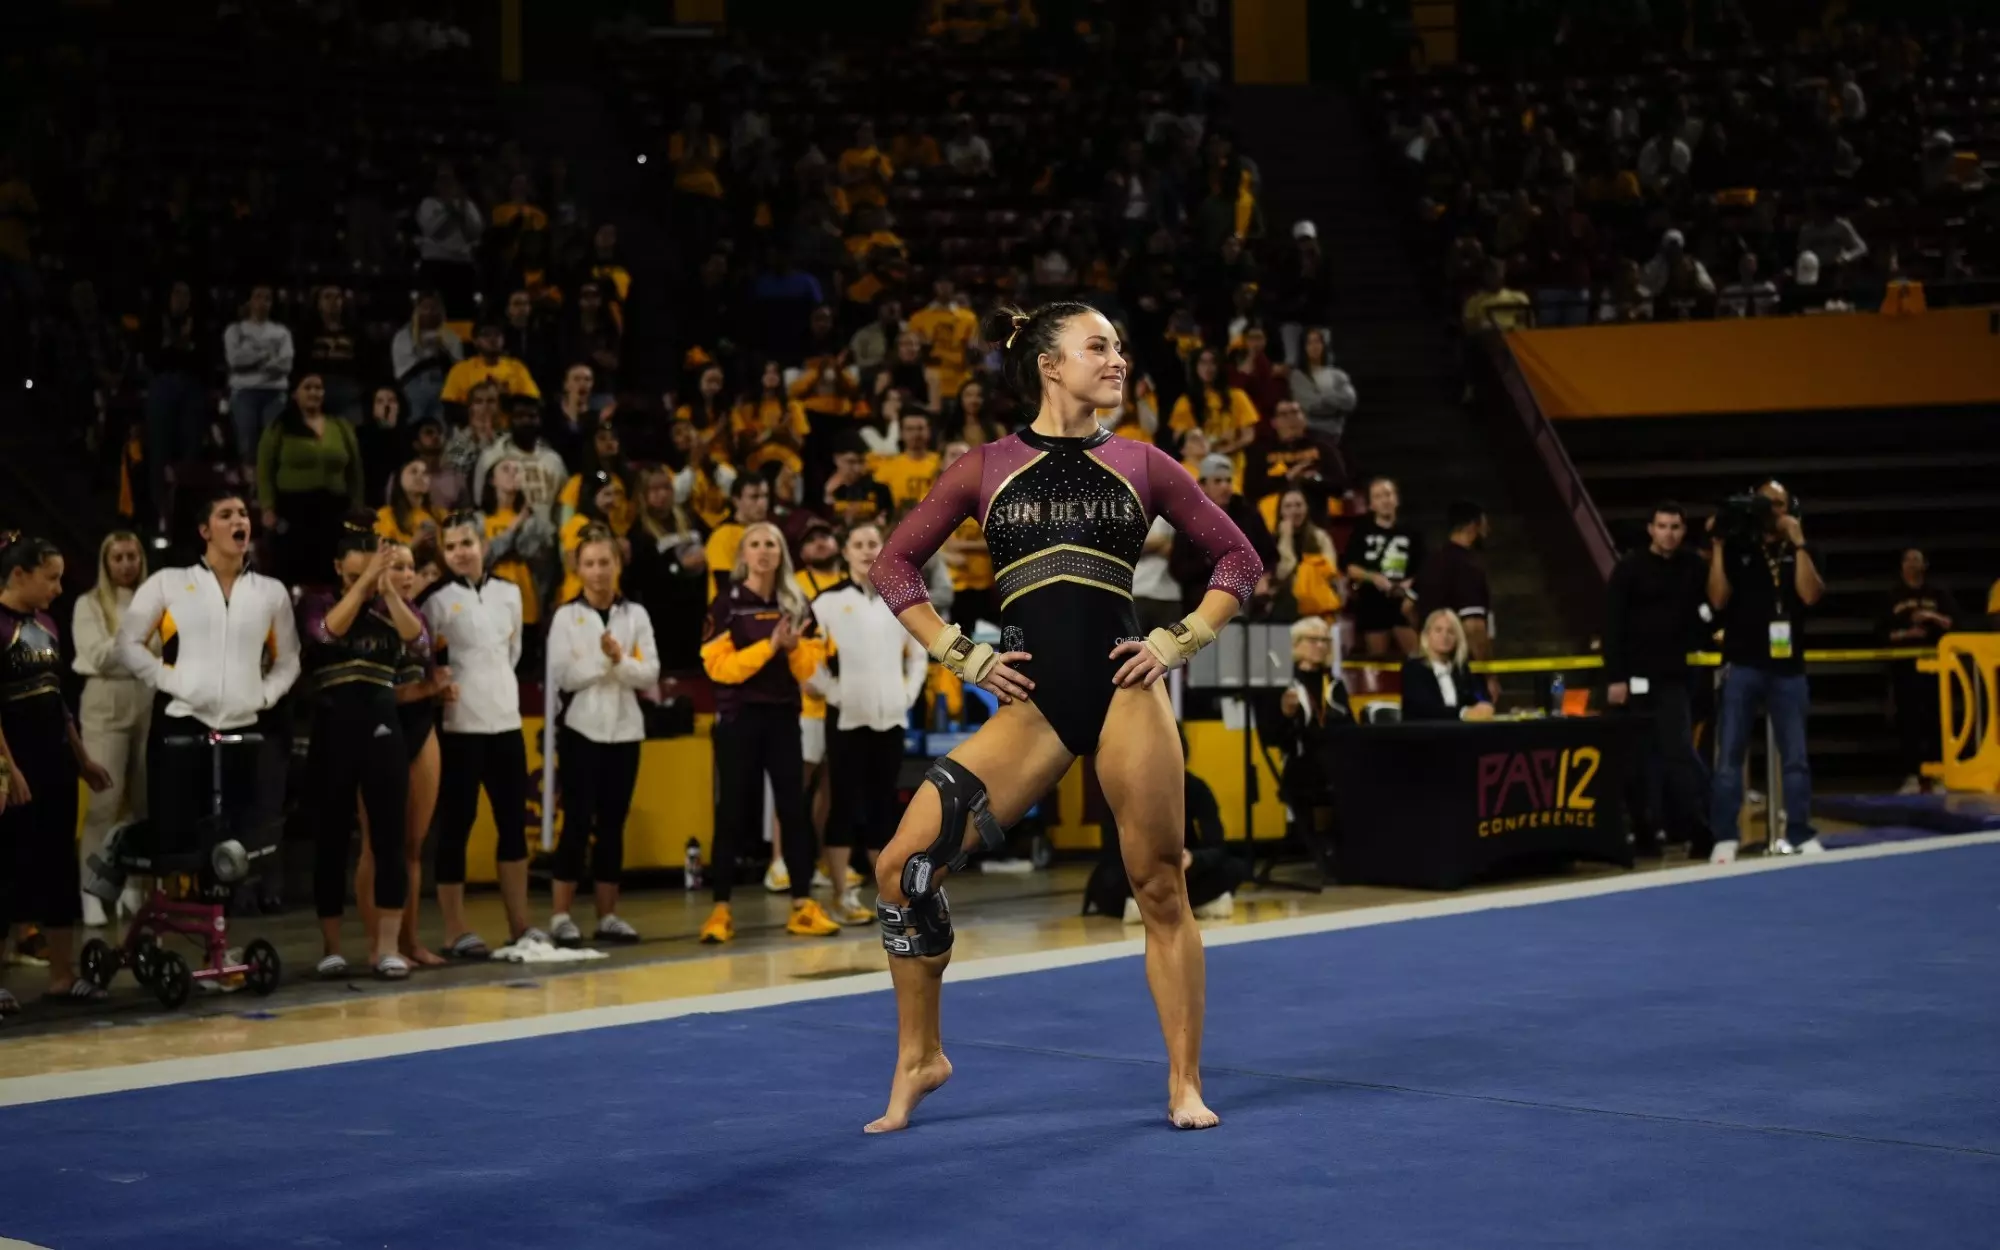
1698,659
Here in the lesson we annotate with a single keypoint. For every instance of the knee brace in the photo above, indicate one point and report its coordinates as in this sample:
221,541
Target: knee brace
960,794
921,927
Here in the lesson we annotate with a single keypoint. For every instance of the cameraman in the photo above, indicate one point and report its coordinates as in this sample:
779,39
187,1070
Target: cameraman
1652,617
1761,581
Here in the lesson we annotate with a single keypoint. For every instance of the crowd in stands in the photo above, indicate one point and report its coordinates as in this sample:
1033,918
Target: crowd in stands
1721,169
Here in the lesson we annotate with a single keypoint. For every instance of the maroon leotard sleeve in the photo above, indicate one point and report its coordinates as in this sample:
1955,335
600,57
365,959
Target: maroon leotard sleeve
899,571
1176,497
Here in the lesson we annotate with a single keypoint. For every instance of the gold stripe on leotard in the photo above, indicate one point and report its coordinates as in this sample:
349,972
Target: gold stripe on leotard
1121,591
1061,547
1007,481
1102,464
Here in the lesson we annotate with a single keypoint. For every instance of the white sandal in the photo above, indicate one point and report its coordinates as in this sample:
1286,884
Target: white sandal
332,968
392,968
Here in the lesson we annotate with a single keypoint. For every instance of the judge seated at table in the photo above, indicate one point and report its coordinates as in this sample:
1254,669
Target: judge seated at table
1437,685
1311,711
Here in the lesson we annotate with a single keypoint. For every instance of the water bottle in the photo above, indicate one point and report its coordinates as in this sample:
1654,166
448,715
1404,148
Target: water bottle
691,878
1556,695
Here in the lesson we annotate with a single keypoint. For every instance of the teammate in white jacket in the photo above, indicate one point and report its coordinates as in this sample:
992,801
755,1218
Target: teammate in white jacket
601,655
874,674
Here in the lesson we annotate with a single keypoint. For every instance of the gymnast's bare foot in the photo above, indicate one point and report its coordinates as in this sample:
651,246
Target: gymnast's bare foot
423,957
913,1082
1185,1109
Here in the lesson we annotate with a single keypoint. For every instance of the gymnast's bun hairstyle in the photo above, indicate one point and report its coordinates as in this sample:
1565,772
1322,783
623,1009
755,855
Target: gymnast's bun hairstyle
1025,338
357,533
24,552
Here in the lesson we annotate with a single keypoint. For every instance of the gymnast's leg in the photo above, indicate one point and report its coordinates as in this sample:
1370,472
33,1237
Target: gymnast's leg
1139,765
1016,758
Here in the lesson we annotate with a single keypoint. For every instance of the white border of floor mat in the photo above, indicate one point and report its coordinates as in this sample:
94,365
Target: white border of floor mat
34,1089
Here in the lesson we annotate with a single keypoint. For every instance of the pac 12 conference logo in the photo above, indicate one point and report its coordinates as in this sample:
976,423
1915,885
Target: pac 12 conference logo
1537,790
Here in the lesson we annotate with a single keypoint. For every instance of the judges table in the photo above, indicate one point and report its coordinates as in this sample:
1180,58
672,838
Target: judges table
1439,805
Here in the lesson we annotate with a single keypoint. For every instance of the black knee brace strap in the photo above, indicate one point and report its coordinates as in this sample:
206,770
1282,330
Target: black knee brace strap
960,794
923,927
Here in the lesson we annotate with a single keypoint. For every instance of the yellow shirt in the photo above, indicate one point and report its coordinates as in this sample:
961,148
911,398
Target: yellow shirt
811,706
722,544
696,176
421,519
908,477
571,538
977,571
947,330
1215,423
865,172
859,245
514,569
707,500
511,374
915,152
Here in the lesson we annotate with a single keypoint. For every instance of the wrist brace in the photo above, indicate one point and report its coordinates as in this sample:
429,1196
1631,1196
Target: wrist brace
1174,645
970,660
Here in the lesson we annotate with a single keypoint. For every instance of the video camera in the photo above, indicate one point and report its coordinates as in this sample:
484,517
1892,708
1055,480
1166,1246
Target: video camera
1746,517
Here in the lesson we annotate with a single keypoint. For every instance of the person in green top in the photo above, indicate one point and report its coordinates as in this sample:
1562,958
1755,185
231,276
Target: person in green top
309,476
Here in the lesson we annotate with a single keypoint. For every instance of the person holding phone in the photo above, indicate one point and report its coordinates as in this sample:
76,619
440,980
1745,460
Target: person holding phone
760,644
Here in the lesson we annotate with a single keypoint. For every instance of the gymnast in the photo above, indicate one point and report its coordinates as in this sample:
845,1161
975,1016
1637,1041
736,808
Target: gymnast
1065,508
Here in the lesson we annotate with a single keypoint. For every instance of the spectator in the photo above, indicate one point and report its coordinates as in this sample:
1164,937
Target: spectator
703,481
330,352
1437,684
951,333
1453,580
116,709
177,406
749,503
871,343
695,154
600,497
422,353
521,547
966,152
1326,394
1189,566
768,426
409,518
531,339
1833,239
382,440
1663,160
1228,418
259,353
447,487
910,472
1762,584
449,227
1256,375
492,363
515,220
669,569
591,337
572,419
1286,454
912,147
308,479
853,494
1750,295
466,446
1916,613
965,419
605,453
1307,572
1495,305
1382,556
1660,272
864,170
1626,298
1312,709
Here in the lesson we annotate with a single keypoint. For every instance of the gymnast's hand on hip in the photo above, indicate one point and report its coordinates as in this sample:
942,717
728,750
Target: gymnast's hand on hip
1004,682
1141,668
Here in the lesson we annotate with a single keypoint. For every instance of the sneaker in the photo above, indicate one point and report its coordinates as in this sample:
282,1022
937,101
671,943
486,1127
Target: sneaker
778,879
1724,852
1221,907
848,909
855,880
810,920
613,928
563,930
720,926
532,936
820,880
1811,846
93,912
1912,784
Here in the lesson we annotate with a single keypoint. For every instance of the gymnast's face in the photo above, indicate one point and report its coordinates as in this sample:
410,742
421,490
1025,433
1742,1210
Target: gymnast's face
402,571
1089,361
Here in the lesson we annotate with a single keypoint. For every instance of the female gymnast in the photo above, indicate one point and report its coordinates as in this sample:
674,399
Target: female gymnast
1065,507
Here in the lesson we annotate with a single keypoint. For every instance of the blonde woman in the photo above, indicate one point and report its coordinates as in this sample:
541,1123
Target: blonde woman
1437,685
761,642
1308,566
117,708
